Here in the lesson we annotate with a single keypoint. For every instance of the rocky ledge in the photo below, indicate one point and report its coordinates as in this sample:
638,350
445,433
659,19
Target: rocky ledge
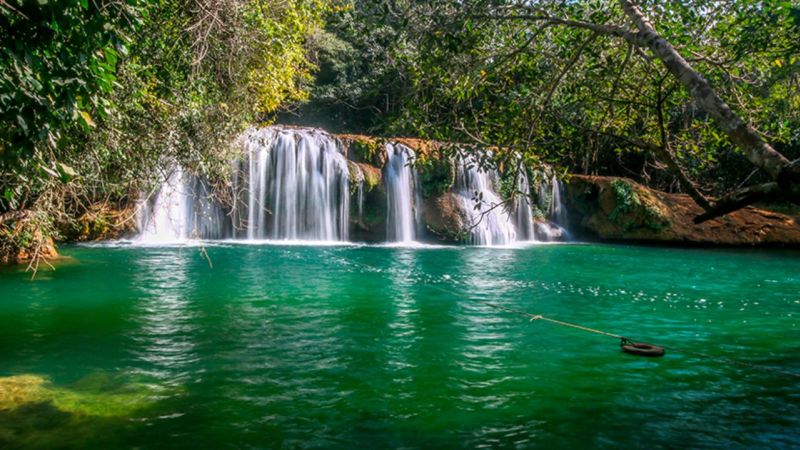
611,208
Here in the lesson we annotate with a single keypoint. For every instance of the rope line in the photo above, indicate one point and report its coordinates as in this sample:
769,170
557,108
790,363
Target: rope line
534,317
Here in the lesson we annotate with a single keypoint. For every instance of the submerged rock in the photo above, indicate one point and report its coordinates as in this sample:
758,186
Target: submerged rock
94,395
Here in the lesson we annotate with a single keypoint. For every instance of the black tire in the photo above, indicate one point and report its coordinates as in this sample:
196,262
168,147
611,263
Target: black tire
642,349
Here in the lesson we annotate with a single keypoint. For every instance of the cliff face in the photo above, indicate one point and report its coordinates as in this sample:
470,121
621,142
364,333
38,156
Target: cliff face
621,209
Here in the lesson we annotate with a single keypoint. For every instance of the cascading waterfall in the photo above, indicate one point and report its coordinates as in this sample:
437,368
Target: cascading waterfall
557,211
360,194
296,186
181,209
550,194
490,222
522,208
402,195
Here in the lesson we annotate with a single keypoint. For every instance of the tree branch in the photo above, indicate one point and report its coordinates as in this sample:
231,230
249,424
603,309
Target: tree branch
739,199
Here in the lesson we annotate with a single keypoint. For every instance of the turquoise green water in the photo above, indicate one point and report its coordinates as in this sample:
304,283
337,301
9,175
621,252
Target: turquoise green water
298,347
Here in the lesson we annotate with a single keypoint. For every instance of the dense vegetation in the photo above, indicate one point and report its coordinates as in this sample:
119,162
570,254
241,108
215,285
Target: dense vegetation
536,78
96,96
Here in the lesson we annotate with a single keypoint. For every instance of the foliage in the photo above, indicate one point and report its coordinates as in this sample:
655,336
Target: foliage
625,198
477,71
102,98
58,61
25,236
361,78
436,173
366,150
636,211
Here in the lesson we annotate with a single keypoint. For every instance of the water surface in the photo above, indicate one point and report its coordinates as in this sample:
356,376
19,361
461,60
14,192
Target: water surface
369,347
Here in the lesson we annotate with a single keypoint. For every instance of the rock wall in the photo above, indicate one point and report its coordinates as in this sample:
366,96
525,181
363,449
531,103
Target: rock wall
613,208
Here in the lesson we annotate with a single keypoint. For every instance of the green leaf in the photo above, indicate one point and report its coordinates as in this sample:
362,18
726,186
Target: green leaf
88,119
67,173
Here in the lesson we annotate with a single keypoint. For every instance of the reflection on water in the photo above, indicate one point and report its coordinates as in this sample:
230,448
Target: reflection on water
165,319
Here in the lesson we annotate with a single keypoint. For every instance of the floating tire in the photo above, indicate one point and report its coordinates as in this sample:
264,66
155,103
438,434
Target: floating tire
642,349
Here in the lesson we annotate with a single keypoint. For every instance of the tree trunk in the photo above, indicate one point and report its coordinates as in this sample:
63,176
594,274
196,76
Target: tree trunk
759,152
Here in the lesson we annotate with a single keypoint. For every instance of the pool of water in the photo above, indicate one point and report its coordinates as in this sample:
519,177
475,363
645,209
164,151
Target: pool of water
349,347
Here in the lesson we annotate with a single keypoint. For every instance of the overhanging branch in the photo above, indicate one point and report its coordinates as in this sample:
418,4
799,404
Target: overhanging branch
739,199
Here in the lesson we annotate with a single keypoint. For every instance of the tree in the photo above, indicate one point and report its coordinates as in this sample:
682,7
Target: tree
643,93
785,174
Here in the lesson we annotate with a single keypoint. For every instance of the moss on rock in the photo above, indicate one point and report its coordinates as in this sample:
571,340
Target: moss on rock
621,209
436,173
96,395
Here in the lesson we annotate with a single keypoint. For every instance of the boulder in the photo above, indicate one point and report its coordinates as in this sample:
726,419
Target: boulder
547,231
444,217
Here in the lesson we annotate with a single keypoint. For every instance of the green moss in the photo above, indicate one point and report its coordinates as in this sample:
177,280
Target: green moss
538,213
372,178
625,198
436,175
631,212
97,396
359,173
367,151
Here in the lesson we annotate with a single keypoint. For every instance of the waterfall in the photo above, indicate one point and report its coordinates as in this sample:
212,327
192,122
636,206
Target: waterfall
296,186
557,211
181,209
523,212
488,218
402,196
360,195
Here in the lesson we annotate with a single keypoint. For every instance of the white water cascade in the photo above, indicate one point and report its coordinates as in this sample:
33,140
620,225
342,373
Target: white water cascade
557,210
181,209
401,194
550,198
523,213
292,185
488,217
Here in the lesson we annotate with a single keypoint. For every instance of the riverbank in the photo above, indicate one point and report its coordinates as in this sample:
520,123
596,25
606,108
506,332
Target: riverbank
621,210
